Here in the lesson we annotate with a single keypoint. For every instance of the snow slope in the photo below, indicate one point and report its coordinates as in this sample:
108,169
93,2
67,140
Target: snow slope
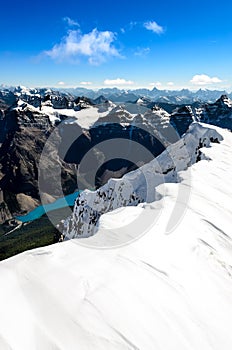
85,117
164,291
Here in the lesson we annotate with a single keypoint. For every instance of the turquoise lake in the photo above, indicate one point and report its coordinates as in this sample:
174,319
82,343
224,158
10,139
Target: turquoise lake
60,203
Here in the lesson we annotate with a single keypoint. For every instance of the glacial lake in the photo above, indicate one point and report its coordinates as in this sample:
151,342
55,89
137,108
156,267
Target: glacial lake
60,203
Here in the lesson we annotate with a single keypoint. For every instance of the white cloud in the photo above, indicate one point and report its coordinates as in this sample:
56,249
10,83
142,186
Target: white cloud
118,81
70,22
142,51
170,83
203,79
61,83
154,27
157,84
97,46
86,83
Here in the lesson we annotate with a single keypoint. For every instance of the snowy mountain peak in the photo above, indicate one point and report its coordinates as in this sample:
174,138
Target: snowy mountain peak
225,100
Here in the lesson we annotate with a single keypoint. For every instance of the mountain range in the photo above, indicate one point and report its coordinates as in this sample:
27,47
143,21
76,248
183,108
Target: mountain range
183,96
29,116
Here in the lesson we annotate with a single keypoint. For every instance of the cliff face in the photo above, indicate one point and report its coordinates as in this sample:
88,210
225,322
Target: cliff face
182,118
4,210
7,99
24,134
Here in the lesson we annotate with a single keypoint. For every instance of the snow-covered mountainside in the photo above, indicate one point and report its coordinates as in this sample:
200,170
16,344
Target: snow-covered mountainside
96,104
82,112
139,186
163,291
156,122
86,117
218,113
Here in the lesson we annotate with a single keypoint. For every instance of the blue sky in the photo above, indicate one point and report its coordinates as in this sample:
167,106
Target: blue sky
129,44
